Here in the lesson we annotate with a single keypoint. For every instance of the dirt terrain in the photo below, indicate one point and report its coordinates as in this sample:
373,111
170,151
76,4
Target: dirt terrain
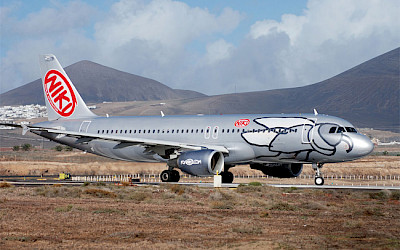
176,217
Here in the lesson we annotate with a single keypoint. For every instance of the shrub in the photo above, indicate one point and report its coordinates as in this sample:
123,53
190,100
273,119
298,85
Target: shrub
108,211
382,195
16,148
255,184
138,196
248,189
5,185
177,189
222,205
68,148
63,209
100,193
247,230
26,147
395,195
58,148
283,206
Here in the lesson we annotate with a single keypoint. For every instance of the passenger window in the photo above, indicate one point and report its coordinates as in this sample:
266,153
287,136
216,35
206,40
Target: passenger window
102,131
154,131
202,131
98,131
112,131
332,130
223,130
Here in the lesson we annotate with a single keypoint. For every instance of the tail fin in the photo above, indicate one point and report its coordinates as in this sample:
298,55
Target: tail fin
62,99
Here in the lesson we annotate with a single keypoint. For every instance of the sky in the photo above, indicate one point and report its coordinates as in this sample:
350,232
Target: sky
214,47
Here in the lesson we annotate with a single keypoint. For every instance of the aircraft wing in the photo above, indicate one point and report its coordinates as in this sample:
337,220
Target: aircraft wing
124,141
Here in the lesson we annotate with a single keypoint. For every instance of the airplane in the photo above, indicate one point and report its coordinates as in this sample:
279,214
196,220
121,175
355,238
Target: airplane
200,145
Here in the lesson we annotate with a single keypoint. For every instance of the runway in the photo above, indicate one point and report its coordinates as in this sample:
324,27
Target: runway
53,180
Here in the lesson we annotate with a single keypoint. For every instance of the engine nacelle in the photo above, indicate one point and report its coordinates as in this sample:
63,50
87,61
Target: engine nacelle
280,170
201,162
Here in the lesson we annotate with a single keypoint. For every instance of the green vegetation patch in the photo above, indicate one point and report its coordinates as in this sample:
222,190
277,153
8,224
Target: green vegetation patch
283,206
64,209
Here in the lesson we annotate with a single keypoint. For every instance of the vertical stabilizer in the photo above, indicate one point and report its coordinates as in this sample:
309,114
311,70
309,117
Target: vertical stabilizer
62,99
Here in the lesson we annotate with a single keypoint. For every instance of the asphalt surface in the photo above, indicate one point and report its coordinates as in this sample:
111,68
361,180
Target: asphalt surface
54,180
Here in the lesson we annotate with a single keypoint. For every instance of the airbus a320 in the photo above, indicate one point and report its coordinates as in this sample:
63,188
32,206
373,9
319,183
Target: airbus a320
200,145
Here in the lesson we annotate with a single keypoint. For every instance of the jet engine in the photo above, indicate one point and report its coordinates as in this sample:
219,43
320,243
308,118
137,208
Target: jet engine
280,170
201,162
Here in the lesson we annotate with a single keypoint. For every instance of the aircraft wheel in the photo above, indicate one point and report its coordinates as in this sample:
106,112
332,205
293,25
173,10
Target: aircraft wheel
175,176
319,181
227,177
165,176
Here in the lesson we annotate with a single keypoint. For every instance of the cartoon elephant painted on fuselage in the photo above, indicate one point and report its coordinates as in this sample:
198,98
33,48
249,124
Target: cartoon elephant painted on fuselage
295,135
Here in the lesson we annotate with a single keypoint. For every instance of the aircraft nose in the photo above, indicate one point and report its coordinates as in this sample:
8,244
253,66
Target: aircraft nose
363,145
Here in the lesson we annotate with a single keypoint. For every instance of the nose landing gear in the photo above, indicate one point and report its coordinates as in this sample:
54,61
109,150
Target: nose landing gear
319,179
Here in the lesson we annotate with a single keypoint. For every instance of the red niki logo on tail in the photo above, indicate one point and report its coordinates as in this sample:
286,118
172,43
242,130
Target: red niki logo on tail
59,92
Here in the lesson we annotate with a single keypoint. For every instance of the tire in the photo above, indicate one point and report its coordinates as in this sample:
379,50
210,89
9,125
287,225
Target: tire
319,181
175,176
227,177
165,176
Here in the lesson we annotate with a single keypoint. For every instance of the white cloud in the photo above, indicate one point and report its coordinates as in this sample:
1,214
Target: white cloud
217,51
166,23
189,47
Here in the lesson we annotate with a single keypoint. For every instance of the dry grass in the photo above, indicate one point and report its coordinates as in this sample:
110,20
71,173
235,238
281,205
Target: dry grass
141,217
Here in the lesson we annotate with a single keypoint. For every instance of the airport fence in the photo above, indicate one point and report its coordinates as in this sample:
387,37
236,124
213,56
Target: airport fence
185,177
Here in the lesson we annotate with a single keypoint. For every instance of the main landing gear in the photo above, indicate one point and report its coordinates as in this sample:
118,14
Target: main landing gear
170,175
319,179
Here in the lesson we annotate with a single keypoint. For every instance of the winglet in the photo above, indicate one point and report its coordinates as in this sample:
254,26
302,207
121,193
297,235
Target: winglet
162,114
315,112
25,129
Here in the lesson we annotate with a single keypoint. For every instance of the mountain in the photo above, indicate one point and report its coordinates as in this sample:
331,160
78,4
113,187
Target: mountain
366,95
97,83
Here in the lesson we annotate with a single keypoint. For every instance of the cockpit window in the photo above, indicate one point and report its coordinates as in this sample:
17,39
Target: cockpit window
341,130
332,130
351,130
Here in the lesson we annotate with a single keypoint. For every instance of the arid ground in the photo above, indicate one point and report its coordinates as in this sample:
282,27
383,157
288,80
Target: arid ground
174,216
